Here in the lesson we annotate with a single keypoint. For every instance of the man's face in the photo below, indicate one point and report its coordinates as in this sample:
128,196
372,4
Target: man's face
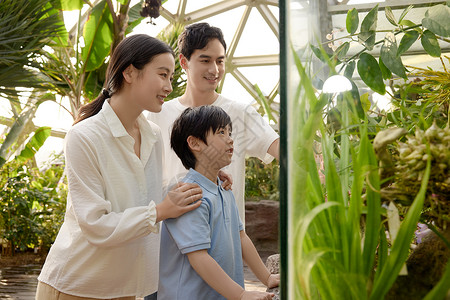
206,67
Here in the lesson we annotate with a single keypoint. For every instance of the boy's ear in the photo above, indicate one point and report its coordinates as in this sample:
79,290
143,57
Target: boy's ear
128,73
183,61
195,144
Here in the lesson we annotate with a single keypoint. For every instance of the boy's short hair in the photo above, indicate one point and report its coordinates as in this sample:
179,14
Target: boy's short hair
196,122
197,36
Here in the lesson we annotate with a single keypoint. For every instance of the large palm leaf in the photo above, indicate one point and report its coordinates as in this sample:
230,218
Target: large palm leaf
25,28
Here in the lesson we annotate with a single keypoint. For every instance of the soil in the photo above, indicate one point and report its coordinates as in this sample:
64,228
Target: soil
21,259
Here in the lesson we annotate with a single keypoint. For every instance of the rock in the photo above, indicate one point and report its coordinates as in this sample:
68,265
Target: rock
426,265
276,291
273,264
261,224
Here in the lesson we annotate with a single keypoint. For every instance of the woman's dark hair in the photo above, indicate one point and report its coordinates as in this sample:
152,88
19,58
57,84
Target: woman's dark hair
196,122
137,50
197,36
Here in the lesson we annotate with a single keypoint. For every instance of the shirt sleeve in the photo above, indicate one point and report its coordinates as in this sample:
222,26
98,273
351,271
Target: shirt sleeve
191,231
259,135
100,225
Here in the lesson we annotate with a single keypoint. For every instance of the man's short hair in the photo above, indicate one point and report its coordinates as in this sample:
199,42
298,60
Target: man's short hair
197,36
196,122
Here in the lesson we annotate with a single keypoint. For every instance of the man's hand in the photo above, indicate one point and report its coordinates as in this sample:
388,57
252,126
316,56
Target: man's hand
227,180
181,199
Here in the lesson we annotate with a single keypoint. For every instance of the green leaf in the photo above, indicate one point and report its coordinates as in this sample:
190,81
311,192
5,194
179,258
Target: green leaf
134,16
318,53
385,72
262,99
370,21
350,69
94,82
365,102
370,73
356,101
35,143
407,23
388,54
367,39
71,4
368,27
352,21
62,37
369,166
404,13
437,20
26,27
400,247
382,251
407,40
430,44
390,16
342,50
98,36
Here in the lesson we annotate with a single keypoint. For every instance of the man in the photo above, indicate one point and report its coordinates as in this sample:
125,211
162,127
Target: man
202,56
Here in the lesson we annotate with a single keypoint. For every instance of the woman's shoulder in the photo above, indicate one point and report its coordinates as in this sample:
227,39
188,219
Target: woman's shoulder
91,128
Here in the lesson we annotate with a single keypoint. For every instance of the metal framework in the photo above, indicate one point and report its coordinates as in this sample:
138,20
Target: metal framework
234,62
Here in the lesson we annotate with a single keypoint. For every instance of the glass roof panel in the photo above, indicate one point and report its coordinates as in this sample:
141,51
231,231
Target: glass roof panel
257,37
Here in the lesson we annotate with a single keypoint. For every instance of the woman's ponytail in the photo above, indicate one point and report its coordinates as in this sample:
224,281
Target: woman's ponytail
93,107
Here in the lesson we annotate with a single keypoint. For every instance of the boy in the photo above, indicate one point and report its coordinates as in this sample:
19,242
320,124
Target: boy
202,252
202,55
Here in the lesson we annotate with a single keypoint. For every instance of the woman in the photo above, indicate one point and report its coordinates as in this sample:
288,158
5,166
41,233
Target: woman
108,245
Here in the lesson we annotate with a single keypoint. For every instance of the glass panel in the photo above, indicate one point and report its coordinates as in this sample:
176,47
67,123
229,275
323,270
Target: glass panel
364,102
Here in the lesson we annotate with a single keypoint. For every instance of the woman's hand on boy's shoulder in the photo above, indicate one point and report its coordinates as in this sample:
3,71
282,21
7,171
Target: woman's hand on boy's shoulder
181,199
227,181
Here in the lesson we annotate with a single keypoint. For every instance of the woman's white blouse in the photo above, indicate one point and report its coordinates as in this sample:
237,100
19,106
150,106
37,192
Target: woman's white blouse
108,245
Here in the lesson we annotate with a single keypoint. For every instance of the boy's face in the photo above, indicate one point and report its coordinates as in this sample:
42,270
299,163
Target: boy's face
219,148
206,67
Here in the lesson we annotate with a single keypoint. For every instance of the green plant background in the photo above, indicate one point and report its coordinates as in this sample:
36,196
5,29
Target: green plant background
346,241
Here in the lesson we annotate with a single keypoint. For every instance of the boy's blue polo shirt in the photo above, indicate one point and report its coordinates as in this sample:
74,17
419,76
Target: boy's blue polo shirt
214,226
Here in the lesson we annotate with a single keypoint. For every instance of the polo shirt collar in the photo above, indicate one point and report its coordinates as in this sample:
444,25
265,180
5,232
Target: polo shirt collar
204,182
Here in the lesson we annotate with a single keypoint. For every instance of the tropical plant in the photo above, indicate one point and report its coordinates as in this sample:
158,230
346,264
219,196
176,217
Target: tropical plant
346,245
407,111
26,28
170,35
32,205
261,180
433,27
29,199
340,248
